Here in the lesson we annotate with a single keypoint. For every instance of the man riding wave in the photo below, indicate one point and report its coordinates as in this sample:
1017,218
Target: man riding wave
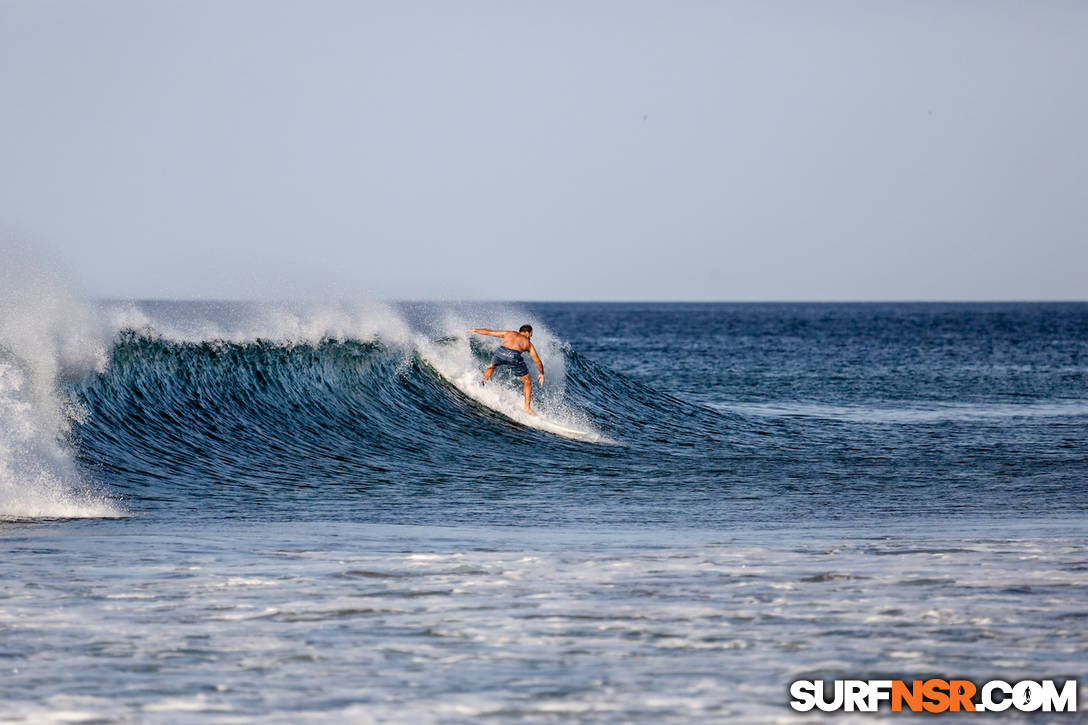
513,345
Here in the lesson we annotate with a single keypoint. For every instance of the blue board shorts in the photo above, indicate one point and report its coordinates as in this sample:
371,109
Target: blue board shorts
506,356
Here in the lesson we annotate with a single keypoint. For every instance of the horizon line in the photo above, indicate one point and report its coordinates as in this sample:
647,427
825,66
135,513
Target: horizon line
237,300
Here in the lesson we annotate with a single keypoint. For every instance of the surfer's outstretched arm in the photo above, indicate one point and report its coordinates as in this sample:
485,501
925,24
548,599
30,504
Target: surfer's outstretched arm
484,331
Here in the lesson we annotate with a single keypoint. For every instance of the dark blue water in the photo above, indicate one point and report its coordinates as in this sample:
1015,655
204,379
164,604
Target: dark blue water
722,413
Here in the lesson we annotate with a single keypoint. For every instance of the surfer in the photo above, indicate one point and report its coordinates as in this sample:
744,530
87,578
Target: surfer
513,345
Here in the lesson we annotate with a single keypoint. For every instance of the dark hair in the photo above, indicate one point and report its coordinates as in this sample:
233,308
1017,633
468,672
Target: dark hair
526,328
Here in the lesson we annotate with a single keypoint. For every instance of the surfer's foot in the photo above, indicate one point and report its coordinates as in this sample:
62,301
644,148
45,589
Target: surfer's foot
530,411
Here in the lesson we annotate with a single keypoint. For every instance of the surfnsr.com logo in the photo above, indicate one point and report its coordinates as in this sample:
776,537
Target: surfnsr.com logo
934,695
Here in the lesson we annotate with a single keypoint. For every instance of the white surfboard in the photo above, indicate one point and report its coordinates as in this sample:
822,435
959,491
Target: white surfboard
541,422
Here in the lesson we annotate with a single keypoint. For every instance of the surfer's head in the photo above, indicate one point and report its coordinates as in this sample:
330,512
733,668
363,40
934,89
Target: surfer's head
526,329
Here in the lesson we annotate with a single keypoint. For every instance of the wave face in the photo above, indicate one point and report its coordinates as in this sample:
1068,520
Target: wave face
376,413
277,419
222,420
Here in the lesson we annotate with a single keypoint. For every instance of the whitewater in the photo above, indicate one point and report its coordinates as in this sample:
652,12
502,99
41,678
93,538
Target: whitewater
294,512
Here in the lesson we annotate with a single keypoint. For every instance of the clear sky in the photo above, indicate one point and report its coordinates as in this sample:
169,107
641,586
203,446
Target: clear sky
551,150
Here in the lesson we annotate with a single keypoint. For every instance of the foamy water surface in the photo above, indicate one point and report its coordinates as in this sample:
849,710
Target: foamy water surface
134,620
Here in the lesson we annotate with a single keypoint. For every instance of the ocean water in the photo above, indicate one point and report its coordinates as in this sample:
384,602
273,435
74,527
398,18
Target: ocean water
273,512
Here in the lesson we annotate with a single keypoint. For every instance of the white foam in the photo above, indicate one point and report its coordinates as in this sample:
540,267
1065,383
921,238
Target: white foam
195,703
46,333
919,413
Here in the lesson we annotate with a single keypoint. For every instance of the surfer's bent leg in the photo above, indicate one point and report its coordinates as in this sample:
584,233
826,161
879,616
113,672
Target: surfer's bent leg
497,359
528,382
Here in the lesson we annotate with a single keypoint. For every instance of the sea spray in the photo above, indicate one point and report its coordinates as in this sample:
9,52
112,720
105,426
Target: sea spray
46,333
281,323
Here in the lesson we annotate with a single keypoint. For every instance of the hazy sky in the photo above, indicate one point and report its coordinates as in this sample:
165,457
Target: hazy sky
551,150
